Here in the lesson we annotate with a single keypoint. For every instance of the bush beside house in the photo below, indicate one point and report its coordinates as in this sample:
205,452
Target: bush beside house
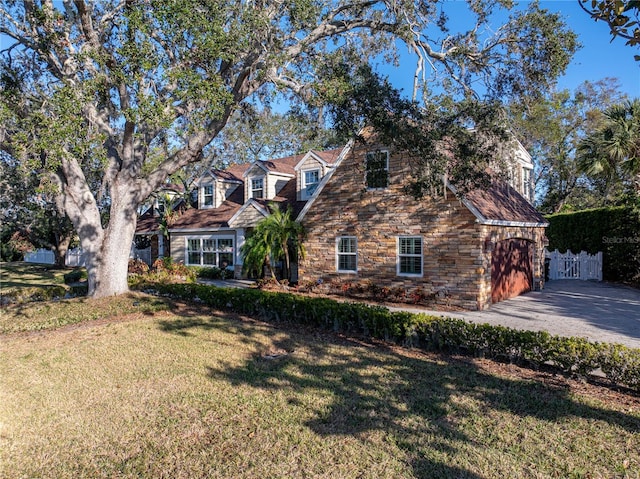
613,230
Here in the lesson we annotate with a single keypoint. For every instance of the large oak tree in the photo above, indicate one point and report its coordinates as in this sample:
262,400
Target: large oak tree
89,88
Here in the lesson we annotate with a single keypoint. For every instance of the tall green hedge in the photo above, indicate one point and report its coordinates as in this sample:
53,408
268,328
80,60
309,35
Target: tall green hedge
614,230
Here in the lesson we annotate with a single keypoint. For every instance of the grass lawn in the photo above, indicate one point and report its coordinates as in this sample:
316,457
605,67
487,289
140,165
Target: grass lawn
24,275
150,388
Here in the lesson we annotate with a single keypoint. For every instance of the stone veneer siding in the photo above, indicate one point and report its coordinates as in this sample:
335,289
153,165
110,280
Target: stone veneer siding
456,255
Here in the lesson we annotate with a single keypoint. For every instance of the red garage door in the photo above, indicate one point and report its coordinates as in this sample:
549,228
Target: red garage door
511,269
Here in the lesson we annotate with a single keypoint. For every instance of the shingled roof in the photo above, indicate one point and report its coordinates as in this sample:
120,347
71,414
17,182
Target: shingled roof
501,204
210,218
232,173
287,164
213,218
148,222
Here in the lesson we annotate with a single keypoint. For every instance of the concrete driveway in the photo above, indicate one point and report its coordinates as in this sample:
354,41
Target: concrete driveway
597,311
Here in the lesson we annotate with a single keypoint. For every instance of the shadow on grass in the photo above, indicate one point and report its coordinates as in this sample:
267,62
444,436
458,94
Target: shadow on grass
53,314
246,330
25,275
414,400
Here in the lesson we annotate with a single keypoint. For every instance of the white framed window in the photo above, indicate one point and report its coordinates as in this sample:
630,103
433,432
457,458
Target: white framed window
311,179
377,169
347,254
410,256
210,251
257,188
207,195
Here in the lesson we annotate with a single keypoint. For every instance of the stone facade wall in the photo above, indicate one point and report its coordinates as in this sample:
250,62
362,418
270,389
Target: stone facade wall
456,259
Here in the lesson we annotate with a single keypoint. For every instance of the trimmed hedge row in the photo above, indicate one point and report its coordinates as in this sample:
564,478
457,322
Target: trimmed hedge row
619,363
613,230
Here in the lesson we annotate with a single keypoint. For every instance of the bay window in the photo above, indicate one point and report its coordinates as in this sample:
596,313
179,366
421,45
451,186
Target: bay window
211,251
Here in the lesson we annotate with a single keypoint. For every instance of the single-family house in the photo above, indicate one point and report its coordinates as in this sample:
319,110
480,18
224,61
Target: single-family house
228,203
361,225
463,251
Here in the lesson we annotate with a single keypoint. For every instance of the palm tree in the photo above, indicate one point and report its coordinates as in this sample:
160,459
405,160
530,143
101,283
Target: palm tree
614,149
278,236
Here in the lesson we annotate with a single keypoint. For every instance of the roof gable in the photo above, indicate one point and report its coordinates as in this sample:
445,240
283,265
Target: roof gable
326,158
209,218
338,159
283,166
244,217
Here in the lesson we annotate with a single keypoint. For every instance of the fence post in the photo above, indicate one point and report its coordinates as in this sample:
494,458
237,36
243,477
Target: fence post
599,266
553,265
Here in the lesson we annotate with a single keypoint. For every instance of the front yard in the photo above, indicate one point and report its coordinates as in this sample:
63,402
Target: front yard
153,388
25,275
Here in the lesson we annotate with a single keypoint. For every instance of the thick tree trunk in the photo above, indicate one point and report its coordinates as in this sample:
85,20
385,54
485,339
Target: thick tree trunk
109,270
107,249
60,251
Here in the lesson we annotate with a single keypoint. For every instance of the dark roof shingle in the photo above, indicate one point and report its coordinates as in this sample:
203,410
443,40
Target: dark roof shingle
501,202
194,218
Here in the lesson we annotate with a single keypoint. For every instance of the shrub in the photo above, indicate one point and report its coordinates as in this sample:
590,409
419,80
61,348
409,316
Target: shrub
137,266
167,268
213,272
533,348
75,276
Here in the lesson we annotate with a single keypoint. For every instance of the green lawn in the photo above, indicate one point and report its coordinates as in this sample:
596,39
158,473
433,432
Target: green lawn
169,390
26,275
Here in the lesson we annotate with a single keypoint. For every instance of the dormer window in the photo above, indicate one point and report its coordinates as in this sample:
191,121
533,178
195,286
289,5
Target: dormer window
377,169
311,179
207,195
257,188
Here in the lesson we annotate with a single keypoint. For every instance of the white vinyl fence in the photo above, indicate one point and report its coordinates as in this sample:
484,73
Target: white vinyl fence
75,257
567,265
43,256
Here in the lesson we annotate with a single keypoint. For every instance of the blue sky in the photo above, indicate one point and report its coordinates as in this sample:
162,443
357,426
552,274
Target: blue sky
598,58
